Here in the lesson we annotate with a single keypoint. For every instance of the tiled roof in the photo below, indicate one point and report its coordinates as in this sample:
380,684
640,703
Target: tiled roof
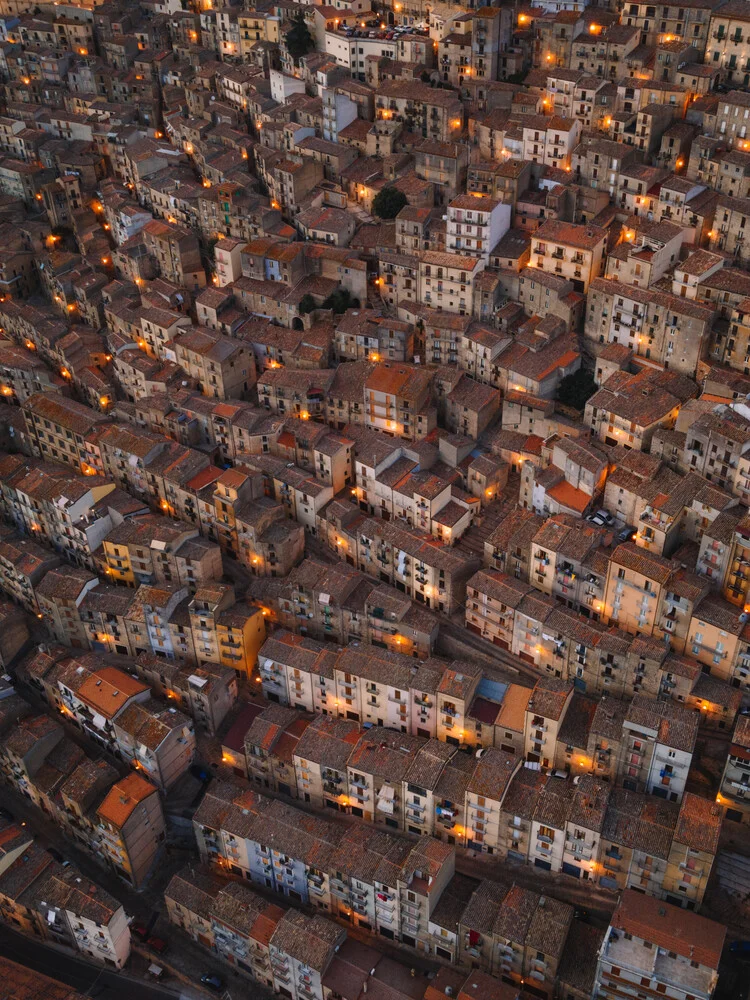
670,927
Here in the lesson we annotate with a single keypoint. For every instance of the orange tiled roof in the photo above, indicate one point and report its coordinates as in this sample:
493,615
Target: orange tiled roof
123,797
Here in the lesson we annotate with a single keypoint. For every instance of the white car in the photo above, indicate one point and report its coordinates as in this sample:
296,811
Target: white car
601,517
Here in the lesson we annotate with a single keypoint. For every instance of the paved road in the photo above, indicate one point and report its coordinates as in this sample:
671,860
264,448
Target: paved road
89,979
521,672
189,960
599,903
509,668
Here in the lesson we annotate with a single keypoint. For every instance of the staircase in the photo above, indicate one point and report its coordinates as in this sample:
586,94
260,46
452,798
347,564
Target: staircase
472,541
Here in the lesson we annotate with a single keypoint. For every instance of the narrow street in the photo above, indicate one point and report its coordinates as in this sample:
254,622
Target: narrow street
92,980
599,903
185,964
462,643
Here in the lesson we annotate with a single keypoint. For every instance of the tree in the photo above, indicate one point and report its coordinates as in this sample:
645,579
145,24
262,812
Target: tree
306,305
575,390
298,39
341,300
388,202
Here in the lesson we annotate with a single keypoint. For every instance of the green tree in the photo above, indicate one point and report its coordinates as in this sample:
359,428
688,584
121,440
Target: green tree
306,305
298,39
388,202
575,390
341,300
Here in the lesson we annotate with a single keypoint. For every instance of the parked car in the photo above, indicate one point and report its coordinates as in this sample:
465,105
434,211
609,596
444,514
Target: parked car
55,854
157,944
213,982
627,533
601,517
740,947
7,814
139,930
200,772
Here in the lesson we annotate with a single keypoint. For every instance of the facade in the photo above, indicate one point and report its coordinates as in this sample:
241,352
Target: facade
131,828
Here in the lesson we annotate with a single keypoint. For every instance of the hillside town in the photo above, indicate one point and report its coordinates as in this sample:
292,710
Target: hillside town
375,500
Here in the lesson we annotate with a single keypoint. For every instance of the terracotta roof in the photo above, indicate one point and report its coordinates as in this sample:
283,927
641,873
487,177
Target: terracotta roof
123,797
670,927
107,690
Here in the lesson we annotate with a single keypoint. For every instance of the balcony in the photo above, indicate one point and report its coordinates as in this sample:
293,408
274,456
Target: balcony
684,867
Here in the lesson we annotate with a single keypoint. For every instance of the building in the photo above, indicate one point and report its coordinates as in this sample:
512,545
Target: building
735,781
437,114
476,225
725,42
157,739
131,828
58,426
629,409
572,251
54,903
651,941
153,549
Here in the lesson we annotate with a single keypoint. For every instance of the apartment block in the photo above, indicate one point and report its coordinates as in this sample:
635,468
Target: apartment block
572,251
131,828
58,427
155,550
53,903
649,941
647,322
726,42
628,409
735,781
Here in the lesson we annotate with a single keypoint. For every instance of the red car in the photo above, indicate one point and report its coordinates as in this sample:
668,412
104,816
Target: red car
139,930
157,944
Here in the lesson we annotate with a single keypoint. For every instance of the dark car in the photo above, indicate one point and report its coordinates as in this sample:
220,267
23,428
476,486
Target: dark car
200,772
55,854
140,931
157,944
7,814
627,533
212,981
740,947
